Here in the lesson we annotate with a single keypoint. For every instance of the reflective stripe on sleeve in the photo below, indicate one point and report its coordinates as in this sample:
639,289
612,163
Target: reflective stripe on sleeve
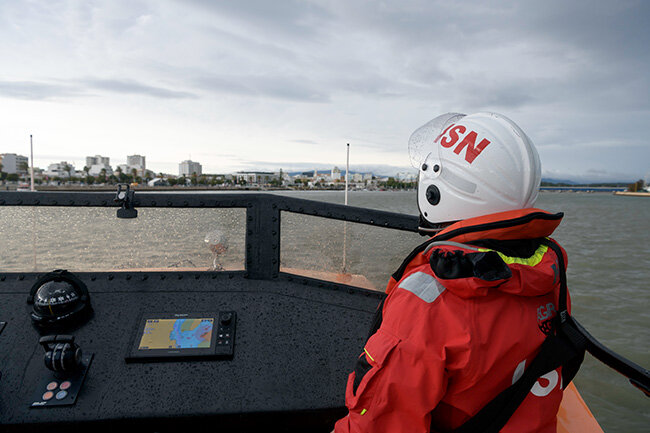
422,285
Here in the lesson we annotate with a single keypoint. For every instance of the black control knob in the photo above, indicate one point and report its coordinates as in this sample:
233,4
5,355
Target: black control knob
226,318
61,353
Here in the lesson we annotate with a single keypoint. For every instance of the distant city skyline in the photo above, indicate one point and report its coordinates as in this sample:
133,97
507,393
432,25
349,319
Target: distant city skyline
173,168
98,170
94,164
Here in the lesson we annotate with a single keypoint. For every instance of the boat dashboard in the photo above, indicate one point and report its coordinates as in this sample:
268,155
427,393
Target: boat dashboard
277,353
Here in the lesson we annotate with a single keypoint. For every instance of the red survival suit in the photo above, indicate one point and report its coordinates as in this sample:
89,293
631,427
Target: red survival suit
462,319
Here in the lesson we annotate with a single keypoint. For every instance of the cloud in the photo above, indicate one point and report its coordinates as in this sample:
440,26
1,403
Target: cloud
298,89
135,88
279,17
33,90
497,95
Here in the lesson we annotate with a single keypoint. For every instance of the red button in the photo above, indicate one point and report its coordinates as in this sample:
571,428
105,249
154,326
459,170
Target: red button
52,386
48,395
65,385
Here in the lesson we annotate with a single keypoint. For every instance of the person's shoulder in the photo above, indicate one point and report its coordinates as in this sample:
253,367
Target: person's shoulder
420,310
421,283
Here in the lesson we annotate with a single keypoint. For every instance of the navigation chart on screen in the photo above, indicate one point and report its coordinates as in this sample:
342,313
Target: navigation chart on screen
192,333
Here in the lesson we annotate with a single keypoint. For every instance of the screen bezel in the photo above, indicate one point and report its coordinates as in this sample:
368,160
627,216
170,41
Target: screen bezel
136,354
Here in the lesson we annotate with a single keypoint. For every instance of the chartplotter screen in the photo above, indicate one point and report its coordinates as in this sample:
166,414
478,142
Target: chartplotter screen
187,333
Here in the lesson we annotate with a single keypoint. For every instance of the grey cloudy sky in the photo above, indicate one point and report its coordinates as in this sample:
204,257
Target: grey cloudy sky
269,84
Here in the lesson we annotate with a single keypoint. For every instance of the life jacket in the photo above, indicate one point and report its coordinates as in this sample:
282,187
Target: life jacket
503,226
563,346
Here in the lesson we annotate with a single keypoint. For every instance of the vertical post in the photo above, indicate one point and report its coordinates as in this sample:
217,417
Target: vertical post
34,211
345,248
262,238
34,214
31,150
347,171
345,223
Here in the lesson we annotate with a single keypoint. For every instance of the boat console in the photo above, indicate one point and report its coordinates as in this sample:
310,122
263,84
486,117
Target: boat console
182,347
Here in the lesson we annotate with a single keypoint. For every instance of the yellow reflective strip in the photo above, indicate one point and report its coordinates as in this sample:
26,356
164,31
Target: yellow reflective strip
533,260
371,358
364,411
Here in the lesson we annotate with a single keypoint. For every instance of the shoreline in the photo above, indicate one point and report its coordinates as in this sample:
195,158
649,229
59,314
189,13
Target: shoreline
146,188
632,194
113,188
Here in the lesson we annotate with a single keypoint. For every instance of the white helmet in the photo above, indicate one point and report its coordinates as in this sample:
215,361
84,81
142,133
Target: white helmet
473,165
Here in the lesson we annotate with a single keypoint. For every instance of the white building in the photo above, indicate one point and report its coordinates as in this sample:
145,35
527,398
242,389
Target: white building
139,171
321,177
367,177
12,163
96,169
187,168
98,163
97,159
357,177
257,177
61,169
406,176
137,162
336,174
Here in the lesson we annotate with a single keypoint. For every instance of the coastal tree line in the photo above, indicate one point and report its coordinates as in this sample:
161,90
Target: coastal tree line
637,186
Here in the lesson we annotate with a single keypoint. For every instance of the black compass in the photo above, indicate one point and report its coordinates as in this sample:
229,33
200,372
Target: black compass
59,299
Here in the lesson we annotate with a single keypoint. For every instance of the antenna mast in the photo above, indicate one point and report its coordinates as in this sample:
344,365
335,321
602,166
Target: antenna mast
345,223
347,171
31,150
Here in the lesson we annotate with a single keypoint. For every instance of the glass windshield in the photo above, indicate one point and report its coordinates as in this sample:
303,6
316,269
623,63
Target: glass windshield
36,239
345,252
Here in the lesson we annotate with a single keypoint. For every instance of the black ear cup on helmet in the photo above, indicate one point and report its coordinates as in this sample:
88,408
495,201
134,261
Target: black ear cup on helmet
433,195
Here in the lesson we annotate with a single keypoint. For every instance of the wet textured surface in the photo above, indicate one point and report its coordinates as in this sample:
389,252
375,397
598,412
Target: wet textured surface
295,346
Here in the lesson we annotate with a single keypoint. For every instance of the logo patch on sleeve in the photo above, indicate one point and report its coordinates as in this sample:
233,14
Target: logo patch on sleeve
545,315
